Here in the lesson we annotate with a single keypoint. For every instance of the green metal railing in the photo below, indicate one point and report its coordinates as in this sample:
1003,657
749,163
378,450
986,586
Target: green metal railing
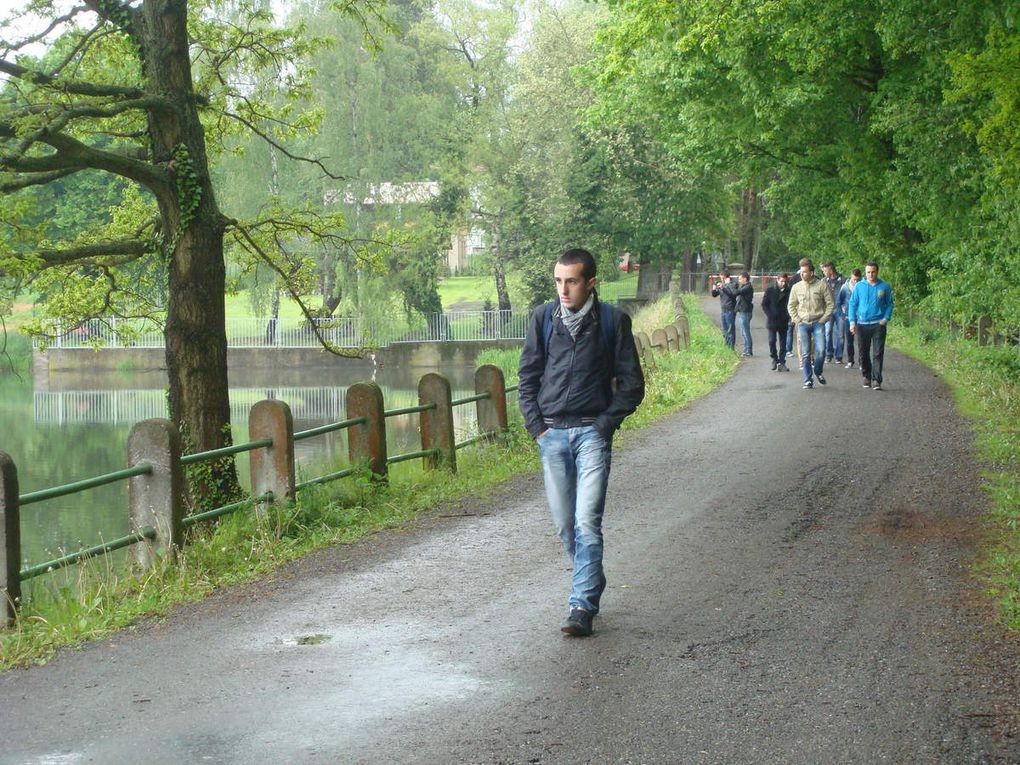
77,486
148,533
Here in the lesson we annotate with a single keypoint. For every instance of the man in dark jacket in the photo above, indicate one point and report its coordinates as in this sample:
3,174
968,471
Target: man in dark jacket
575,349
777,319
742,307
726,291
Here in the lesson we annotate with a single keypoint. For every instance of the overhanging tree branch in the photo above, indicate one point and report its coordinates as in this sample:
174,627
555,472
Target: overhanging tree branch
123,251
246,241
72,154
38,179
75,87
280,148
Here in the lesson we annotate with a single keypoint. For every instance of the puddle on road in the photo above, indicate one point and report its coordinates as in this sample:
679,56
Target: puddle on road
306,640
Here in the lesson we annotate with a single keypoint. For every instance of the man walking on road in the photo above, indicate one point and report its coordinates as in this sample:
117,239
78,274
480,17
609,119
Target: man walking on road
834,329
743,307
575,349
777,319
842,304
870,309
810,307
726,291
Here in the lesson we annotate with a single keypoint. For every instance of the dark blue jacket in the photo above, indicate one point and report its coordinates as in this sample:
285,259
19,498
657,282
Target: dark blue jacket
574,377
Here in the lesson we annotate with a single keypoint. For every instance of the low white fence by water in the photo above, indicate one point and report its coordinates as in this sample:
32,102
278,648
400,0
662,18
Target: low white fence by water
294,332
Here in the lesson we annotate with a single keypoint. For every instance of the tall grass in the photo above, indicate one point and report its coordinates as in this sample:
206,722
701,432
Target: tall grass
986,384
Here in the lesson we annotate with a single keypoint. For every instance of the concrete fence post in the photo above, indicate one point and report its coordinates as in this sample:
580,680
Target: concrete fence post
644,349
492,410
437,423
272,467
156,499
683,326
366,443
659,340
672,338
677,302
10,542
984,328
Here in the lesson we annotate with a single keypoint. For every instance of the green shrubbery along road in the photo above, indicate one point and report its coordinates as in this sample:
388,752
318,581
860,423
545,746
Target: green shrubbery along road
986,383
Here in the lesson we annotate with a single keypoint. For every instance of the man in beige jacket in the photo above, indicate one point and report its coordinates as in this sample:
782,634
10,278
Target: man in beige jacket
811,305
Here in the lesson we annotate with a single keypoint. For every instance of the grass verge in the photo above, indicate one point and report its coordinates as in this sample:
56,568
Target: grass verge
98,597
986,384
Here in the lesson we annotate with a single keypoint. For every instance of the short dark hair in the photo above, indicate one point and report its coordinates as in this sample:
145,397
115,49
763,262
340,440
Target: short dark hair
745,275
724,274
577,255
784,275
827,263
856,272
807,262
871,263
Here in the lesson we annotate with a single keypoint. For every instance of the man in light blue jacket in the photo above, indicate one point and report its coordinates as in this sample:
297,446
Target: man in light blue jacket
870,309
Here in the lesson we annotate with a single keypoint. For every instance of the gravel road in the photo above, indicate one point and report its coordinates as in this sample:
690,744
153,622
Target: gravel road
788,583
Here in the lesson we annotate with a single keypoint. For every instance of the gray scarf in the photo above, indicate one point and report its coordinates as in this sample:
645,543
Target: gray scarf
572,320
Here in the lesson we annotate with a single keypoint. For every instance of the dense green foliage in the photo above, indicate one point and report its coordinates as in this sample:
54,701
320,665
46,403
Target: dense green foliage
873,129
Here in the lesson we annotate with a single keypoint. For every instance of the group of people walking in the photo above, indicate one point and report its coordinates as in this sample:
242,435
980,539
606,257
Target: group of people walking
825,318
580,377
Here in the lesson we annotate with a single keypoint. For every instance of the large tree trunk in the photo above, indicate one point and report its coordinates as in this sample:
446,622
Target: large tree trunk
193,228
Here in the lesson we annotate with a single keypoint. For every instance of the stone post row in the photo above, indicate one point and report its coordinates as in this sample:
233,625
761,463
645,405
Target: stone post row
157,499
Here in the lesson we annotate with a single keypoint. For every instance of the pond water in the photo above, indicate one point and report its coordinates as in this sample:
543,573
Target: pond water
77,427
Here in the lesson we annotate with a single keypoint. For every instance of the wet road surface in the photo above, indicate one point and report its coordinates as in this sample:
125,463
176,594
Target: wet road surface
787,583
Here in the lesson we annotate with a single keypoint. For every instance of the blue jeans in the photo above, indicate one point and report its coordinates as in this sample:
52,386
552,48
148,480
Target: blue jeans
834,329
575,462
744,320
728,330
806,332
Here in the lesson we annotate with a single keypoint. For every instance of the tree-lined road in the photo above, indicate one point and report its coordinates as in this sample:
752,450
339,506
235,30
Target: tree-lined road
787,583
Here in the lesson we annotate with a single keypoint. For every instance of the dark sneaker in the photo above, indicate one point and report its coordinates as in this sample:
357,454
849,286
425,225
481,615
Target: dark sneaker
808,385
849,365
821,380
866,384
782,367
578,623
774,365
877,386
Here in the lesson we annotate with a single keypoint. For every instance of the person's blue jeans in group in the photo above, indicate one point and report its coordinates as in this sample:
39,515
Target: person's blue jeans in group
728,328
806,332
744,320
575,462
834,337
789,340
